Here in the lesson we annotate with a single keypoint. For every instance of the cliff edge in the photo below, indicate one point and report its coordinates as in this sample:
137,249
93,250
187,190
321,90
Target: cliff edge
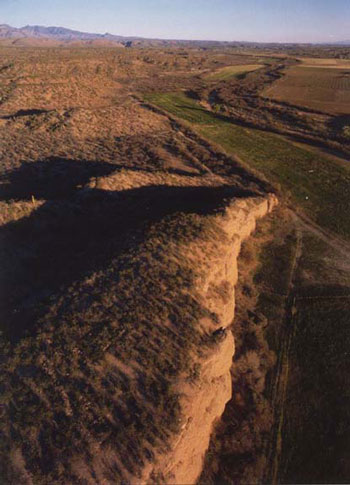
203,401
127,363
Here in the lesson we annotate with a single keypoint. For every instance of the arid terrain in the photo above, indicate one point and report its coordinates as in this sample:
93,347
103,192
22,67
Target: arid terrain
175,262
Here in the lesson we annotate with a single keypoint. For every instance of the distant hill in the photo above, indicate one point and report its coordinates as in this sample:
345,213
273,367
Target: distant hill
40,35
56,33
62,34
343,42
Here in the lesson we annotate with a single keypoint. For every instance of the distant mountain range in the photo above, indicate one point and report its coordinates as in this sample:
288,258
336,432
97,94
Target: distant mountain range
56,33
343,42
38,34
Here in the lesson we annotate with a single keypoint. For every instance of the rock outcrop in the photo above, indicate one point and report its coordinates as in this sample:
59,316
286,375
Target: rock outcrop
129,367
203,400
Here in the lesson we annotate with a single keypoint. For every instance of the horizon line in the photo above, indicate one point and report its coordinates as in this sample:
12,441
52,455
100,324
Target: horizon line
187,39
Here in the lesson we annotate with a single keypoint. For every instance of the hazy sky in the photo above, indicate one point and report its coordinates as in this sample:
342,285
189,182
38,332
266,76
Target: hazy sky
256,20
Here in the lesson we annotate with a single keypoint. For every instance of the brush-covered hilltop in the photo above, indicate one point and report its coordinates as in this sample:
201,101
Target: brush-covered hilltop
175,272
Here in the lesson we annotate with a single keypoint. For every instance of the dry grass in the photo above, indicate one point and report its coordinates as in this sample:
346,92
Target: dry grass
326,62
99,195
82,361
230,72
99,315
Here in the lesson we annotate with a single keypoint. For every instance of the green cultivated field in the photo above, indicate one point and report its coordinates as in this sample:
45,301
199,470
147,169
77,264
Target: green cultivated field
230,72
315,430
317,184
308,388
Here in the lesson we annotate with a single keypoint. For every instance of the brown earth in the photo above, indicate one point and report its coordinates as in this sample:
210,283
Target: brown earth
120,231
104,205
324,87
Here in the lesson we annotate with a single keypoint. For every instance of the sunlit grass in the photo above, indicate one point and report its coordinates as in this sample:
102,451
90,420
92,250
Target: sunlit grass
316,183
230,72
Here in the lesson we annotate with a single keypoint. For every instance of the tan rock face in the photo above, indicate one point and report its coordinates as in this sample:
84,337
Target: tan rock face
198,261
203,403
204,400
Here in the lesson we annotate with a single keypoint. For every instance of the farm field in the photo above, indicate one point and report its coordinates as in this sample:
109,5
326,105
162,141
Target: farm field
317,391
300,285
315,86
310,390
230,72
128,178
315,183
330,62
309,340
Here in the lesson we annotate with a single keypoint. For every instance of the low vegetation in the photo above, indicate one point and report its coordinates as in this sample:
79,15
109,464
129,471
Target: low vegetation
112,161
315,432
81,349
313,182
230,72
290,370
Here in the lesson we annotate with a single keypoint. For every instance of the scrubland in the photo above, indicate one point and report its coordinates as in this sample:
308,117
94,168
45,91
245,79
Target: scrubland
293,305
113,163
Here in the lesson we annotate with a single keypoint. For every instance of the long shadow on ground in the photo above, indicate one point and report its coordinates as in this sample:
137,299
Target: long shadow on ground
81,276
66,240
54,178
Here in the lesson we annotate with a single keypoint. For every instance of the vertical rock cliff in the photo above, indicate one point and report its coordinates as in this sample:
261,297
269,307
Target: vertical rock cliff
203,399
128,366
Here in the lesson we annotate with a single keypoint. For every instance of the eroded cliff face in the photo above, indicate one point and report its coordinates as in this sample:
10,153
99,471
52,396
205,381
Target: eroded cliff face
203,398
129,367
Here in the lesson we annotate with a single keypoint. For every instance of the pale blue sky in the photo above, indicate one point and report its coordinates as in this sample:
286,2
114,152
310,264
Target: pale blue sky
251,20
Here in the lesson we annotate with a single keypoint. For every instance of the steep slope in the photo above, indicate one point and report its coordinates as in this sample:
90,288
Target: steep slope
203,401
91,373
119,235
